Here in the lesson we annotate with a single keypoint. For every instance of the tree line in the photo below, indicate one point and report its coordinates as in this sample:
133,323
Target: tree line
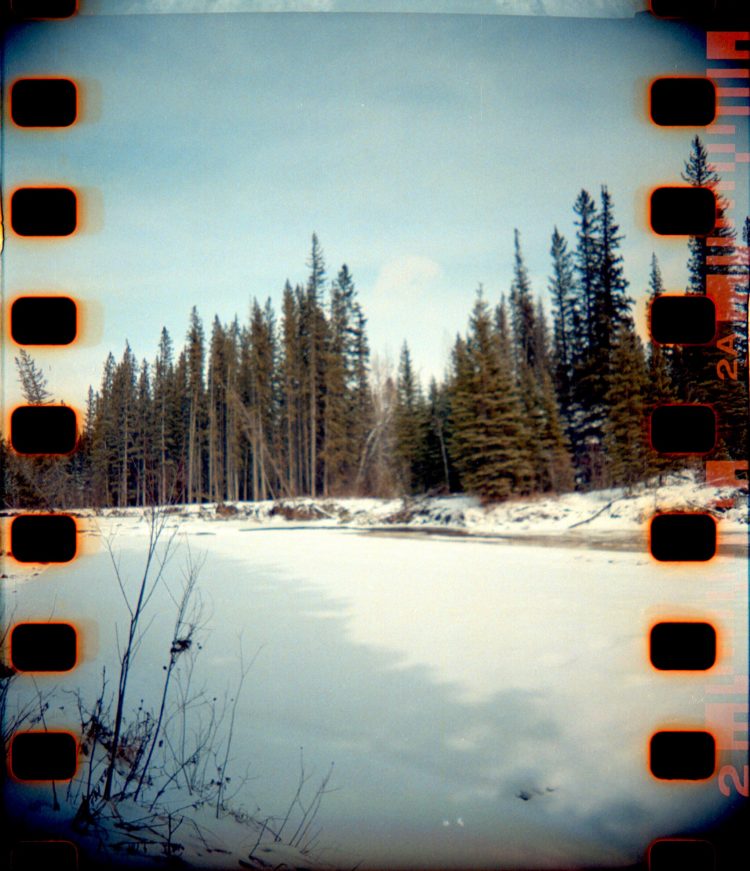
291,403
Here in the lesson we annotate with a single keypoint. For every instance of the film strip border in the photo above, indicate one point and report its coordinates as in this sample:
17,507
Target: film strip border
713,320
44,104
728,69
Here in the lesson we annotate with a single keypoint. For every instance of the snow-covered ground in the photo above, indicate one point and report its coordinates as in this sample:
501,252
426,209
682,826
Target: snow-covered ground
581,515
482,704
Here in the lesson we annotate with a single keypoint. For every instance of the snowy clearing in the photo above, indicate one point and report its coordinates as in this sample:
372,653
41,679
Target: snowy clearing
580,515
482,704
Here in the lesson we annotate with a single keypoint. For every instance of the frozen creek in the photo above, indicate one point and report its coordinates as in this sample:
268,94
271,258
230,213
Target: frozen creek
483,704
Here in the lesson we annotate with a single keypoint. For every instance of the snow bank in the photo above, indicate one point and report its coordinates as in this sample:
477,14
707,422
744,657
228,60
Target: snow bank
616,510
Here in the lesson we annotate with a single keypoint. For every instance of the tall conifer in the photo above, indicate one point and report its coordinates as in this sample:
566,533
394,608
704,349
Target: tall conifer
625,430
195,362
410,425
488,432
565,313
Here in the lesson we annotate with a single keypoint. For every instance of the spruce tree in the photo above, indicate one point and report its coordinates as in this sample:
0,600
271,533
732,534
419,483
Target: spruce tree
196,404
363,407
314,331
337,454
625,430
124,399
525,356
37,481
603,300
168,430
586,414
522,308
183,409
555,469
259,407
660,366
215,402
565,314
438,467
33,380
612,302
410,425
663,360
545,444
557,473
713,375
291,381
487,418
84,453
102,438
144,440
587,267
699,172
232,428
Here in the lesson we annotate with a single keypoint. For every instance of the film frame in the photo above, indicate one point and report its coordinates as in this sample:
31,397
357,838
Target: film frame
711,845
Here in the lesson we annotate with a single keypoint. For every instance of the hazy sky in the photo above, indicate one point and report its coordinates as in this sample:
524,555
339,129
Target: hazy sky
211,147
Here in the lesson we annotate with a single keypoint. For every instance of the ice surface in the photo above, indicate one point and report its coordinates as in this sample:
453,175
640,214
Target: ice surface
484,704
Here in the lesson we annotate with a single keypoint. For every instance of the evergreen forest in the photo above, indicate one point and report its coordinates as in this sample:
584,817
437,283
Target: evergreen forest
546,390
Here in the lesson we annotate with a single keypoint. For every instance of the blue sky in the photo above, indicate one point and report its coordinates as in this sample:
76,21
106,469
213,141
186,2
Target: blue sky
211,147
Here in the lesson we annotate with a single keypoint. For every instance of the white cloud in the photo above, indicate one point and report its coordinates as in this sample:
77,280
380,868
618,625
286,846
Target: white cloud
407,276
